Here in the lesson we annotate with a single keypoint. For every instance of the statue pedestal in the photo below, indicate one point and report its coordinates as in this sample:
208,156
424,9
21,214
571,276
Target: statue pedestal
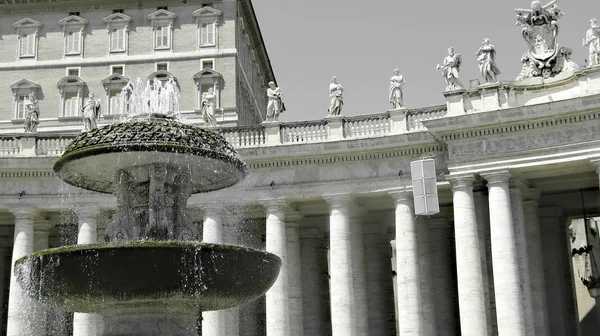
272,132
27,145
335,127
455,102
398,117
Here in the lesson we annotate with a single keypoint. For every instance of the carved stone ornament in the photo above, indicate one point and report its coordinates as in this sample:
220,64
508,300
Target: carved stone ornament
544,57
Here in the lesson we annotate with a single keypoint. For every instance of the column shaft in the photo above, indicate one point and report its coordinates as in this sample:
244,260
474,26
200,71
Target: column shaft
358,267
340,261
315,282
509,299
410,297
18,319
469,268
295,278
277,296
85,324
534,252
378,272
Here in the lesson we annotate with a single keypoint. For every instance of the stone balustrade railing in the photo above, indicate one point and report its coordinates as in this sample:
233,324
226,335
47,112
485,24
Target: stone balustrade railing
267,134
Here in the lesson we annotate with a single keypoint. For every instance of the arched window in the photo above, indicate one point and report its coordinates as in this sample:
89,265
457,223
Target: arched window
205,79
21,91
71,95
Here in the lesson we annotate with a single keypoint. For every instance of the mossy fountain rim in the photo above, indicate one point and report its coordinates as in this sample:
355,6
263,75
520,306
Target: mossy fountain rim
178,144
98,277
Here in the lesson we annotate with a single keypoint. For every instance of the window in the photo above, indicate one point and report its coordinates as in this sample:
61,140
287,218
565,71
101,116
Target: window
71,104
27,31
162,26
206,79
114,102
73,27
21,91
117,69
162,8
120,11
207,64
161,34
73,72
71,92
113,85
206,19
162,66
117,25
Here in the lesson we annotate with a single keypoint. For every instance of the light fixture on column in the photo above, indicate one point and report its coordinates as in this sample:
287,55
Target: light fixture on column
424,184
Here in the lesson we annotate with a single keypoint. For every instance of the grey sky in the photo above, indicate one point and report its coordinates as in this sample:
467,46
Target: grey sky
361,42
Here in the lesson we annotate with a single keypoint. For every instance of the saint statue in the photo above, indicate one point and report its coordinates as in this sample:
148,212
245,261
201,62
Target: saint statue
396,97
275,105
592,41
450,70
337,99
209,104
32,114
90,111
486,57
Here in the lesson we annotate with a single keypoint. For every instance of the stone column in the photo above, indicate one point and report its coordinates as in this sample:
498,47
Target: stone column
295,274
443,280
278,321
469,268
340,260
358,273
536,263
18,323
214,323
516,197
85,324
3,265
394,262
41,231
509,299
315,282
426,276
408,277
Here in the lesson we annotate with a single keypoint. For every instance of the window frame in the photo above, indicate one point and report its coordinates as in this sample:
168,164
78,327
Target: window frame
208,77
70,85
117,21
27,27
164,20
75,25
207,15
23,88
114,83
206,60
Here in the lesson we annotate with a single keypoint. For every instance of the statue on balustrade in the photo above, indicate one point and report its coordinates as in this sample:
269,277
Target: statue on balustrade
209,104
275,105
396,97
32,114
592,42
337,98
540,30
450,70
486,58
91,112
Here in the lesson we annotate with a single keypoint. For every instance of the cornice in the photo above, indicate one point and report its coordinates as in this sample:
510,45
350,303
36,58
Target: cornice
19,7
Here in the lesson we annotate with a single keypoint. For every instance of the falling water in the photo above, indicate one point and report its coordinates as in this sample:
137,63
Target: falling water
151,97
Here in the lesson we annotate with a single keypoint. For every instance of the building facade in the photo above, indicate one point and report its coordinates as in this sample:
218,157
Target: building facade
516,164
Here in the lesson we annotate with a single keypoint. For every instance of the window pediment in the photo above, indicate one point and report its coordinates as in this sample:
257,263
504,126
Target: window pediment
207,76
206,12
115,79
162,15
27,23
117,18
24,84
73,20
71,83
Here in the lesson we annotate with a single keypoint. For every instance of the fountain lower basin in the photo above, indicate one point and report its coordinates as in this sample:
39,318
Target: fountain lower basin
179,275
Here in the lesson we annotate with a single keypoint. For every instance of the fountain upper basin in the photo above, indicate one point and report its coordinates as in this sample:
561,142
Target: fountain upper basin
94,158
94,278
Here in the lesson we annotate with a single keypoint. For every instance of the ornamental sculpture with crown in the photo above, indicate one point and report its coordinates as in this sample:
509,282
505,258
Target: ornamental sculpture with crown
540,29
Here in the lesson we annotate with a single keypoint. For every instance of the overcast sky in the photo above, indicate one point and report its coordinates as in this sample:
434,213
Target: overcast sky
361,42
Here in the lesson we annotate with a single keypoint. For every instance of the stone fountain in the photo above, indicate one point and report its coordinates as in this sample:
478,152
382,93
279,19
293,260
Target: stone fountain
151,276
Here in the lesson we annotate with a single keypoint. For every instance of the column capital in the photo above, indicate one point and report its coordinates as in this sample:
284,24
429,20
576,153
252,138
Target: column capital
554,212
292,218
211,209
519,183
461,181
338,200
401,196
311,233
498,176
275,204
24,212
531,195
86,211
42,226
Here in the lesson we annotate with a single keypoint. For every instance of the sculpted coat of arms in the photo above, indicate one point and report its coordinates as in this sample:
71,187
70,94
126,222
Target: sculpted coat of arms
545,58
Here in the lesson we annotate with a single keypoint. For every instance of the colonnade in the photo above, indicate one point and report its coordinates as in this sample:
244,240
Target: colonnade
511,266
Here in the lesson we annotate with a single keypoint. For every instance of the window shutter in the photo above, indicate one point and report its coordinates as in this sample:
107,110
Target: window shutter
165,31
121,39
210,33
204,34
76,41
158,36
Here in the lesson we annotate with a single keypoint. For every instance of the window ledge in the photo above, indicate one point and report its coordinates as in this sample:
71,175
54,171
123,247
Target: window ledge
113,116
17,121
70,119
